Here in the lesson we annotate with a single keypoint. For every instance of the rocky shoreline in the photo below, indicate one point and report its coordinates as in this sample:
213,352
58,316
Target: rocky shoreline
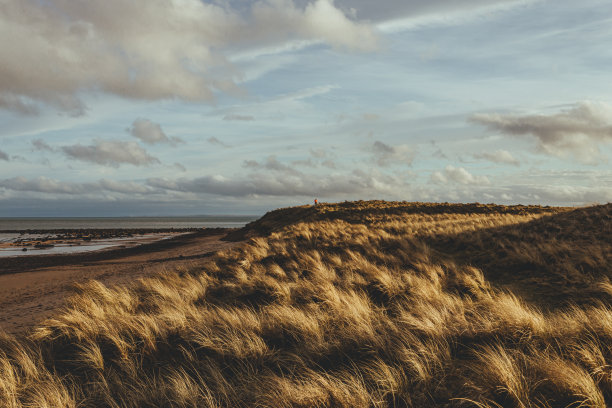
48,238
16,264
34,287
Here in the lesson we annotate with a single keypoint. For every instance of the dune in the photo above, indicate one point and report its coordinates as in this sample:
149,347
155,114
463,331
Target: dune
355,304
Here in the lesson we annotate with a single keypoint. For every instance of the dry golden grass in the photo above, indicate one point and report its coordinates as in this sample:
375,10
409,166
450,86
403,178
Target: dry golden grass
365,304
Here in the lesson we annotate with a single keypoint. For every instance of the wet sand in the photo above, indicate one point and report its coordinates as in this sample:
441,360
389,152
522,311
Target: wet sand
32,288
68,241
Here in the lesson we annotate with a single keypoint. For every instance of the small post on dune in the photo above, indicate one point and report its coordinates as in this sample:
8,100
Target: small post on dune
316,202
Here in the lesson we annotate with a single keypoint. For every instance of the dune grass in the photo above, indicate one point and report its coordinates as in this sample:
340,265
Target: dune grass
364,304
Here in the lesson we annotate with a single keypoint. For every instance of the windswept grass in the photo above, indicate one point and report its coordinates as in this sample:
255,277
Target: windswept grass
366,304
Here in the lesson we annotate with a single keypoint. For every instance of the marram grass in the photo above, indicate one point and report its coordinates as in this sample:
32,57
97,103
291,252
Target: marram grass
366,304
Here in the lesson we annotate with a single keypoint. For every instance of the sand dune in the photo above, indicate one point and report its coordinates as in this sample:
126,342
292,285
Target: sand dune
363,304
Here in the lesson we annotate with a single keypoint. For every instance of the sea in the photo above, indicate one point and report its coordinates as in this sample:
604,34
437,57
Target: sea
201,221
13,229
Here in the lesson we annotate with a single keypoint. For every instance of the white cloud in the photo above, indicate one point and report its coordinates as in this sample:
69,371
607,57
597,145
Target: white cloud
574,194
126,187
319,153
558,194
330,164
385,154
498,156
151,133
305,162
438,178
319,20
155,50
42,185
111,153
273,164
279,183
577,131
319,157
458,175
52,186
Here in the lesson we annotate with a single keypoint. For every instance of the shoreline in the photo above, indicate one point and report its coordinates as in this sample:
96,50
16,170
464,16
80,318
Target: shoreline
95,230
20,263
33,288
39,242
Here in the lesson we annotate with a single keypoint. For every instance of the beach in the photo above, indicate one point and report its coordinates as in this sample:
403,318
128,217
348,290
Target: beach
34,287
73,241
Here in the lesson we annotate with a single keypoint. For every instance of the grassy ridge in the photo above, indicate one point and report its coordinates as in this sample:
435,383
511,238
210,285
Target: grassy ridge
365,304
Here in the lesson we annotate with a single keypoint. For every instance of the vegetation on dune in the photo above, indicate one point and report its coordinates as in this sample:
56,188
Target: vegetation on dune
366,304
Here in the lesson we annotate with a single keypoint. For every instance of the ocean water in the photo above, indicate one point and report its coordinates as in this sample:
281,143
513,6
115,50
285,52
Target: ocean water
13,229
225,221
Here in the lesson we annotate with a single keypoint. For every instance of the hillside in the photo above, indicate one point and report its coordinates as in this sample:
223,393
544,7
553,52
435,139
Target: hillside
363,304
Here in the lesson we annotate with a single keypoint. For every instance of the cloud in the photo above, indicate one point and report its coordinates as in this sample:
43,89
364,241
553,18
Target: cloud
52,186
155,50
169,194
235,117
319,153
273,178
125,187
370,116
498,156
273,164
319,20
18,105
577,131
305,162
567,195
43,185
151,133
111,153
330,164
318,157
458,175
385,154
358,184
216,141
180,167
304,94
4,156
41,145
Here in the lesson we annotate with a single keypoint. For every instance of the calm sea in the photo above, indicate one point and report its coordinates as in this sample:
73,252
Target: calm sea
207,221
39,224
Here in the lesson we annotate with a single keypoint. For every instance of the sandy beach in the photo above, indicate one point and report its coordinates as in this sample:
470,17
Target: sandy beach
32,288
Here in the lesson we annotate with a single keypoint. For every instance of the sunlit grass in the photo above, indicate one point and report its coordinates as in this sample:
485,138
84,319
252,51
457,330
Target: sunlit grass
366,304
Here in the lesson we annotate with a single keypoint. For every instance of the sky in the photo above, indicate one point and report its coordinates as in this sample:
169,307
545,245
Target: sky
185,107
